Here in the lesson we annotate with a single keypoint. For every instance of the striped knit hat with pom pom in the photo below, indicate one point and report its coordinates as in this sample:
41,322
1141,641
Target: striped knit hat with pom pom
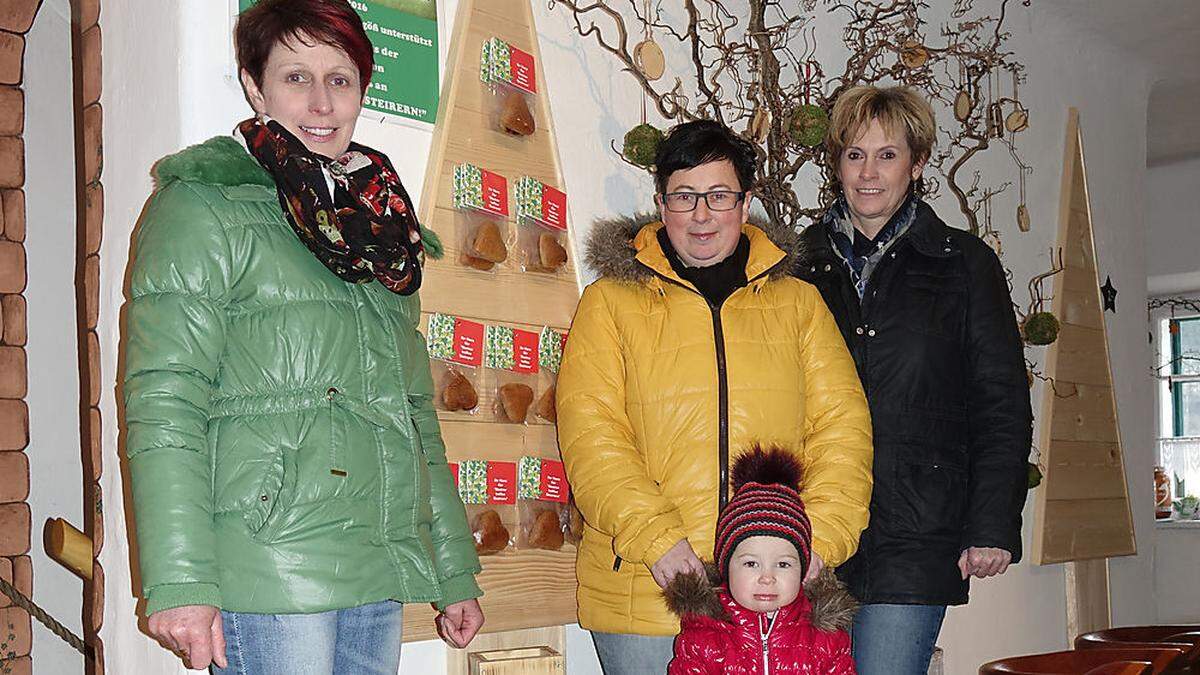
766,502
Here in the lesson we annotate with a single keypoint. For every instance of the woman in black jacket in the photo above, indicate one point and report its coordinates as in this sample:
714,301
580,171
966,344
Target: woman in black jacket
925,311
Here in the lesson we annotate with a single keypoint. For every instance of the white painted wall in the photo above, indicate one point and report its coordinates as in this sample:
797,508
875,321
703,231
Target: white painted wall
54,455
1172,217
168,83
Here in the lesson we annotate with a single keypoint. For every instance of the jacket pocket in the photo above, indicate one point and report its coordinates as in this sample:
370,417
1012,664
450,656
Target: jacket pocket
928,496
933,303
266,514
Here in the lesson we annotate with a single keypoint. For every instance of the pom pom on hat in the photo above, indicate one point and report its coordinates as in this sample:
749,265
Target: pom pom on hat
766,502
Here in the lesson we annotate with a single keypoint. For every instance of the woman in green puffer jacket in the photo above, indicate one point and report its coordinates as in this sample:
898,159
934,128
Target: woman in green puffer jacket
289,480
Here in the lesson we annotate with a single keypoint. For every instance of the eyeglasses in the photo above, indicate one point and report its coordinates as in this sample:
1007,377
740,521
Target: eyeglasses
716,200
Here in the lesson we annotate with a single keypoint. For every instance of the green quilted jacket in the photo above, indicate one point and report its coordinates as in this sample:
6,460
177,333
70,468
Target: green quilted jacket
283,447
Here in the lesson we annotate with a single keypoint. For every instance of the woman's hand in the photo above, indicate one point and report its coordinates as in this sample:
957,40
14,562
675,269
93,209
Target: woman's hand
679,558
983,562
193,631
459,622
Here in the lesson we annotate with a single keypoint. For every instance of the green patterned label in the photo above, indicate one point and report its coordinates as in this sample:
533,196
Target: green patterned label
529,478
550,349
472,481
439,336
468,187
498,348
529,197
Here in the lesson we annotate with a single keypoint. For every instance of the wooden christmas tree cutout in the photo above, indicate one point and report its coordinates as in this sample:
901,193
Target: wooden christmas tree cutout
1083,504
1082,515
523,588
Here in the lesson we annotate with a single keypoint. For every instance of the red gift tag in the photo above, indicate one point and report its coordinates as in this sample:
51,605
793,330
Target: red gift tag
554,482
468,342
525,351
523,76
554,208
502,482
495,193
454,473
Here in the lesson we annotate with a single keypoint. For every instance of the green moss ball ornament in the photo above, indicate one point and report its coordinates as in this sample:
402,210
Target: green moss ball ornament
641,144
1033,476
1040,328
808,125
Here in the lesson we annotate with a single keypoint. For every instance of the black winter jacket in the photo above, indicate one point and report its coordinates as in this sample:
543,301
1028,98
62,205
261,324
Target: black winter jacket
937,348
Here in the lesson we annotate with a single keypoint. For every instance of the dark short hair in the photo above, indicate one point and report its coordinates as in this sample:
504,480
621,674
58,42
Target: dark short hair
331,22
691,144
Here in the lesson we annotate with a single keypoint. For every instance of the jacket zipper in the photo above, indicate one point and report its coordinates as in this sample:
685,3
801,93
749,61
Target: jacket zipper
765,637
722,386
722,407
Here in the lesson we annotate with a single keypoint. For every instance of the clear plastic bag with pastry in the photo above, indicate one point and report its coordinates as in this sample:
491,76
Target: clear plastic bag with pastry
550,348
542,498
541,227
455,348
481,218
487,490
511,359
509,79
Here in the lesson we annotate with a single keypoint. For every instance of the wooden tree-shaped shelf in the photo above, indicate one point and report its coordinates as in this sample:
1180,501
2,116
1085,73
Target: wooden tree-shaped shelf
528,588
1083,503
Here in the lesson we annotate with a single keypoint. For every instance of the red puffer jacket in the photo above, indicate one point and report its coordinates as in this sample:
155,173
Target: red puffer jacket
721,637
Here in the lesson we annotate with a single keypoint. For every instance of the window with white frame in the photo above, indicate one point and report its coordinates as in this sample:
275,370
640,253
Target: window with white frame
1178,372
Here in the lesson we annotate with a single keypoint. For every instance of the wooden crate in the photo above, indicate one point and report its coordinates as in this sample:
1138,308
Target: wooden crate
524,661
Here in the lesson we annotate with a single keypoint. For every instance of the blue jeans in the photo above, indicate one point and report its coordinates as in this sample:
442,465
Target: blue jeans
625,654
895,639
358,641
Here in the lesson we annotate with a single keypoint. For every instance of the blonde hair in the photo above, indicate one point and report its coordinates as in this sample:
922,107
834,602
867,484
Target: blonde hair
896,108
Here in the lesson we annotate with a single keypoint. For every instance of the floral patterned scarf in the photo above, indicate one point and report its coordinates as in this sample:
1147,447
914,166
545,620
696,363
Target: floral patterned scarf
369,231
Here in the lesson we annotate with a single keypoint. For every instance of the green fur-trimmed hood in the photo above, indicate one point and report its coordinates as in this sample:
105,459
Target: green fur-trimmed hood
610,250
220,160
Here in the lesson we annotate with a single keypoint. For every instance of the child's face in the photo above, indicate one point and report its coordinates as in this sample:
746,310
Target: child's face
765,573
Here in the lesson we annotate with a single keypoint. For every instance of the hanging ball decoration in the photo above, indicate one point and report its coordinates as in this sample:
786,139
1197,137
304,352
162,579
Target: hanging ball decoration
1023,217
1017,120
641,144
962,106
913,54
808,125
648,57
1040,328
1033,476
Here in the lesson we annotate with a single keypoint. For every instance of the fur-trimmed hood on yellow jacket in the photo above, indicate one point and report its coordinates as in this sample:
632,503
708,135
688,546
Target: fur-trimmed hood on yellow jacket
658,394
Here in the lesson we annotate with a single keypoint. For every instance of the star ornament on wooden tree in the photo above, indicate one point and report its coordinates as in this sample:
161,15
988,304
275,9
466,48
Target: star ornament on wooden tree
1110,295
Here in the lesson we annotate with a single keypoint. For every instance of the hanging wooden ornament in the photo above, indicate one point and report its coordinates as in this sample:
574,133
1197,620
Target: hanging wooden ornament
1023,217
1017,120
649,59
913,54
760,125
647,55
962,106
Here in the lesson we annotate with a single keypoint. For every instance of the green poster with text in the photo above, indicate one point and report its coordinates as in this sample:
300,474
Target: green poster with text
404,36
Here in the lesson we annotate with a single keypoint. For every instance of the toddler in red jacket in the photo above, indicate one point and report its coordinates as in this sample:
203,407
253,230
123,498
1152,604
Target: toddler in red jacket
750,616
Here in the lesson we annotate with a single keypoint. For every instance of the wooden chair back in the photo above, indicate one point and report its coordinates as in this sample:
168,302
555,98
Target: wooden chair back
1163,660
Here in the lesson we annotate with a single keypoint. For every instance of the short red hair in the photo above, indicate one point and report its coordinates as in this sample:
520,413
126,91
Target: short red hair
332,22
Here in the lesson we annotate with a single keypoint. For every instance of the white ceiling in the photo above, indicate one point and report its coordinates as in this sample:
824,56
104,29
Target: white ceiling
1165,35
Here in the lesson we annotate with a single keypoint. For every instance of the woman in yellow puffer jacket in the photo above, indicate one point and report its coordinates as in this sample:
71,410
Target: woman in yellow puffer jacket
694,345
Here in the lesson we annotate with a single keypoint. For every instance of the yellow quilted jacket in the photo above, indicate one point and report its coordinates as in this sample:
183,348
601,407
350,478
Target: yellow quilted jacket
657,396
